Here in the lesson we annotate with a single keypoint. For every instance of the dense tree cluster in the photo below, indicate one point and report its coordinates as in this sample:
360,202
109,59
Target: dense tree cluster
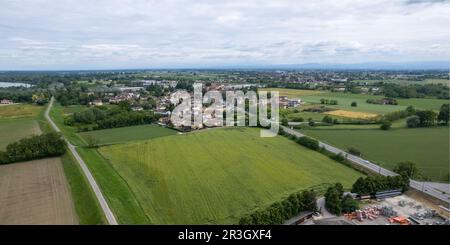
392,90
25,95
373,184
426,118
337,203
74,95
279,212
35,147
102,118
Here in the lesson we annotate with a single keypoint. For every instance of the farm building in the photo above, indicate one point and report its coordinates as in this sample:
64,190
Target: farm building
6,102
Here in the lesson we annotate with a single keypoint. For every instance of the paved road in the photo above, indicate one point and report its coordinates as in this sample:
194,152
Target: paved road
420,186
101,199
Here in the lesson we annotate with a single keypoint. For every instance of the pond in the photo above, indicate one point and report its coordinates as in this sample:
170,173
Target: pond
7,85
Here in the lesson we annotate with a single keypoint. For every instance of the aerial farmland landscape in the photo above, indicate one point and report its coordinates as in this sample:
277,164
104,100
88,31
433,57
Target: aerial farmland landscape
223,120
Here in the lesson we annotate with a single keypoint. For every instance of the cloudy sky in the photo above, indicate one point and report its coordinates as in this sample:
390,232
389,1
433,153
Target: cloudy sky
103,34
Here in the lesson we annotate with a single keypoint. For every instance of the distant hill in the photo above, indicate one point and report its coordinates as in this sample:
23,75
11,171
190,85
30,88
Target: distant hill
425,65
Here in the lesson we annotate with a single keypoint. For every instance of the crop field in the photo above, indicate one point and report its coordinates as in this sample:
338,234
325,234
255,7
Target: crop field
218,175
120,135
19,110
428,147
352,114
293,93
35,192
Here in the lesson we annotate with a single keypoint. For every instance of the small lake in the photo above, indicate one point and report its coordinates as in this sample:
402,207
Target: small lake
7,85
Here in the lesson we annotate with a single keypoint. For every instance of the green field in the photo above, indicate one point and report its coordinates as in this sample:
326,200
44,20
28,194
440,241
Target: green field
18,122
121,135
16,129
345,100
428,147
218,175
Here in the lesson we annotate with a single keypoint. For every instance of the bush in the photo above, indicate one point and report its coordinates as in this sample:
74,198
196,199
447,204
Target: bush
327,119
354,151
35,147
413,122
354,104
308,142
385,125
338,157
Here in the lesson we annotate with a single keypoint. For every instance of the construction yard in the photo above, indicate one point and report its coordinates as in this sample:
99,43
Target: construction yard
399,210
35,192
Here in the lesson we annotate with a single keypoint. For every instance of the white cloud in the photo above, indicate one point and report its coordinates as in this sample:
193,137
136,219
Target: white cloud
143,33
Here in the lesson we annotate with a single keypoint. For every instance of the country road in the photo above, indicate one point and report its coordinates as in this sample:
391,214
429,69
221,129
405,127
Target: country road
101,199
425,187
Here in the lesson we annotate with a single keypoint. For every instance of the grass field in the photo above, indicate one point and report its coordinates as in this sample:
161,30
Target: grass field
218,175
121,135
18,122
428,147
86,205
345,100
16,129
19,110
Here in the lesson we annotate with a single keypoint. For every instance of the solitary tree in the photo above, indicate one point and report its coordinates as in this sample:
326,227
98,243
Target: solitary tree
407,169
354,104
444,114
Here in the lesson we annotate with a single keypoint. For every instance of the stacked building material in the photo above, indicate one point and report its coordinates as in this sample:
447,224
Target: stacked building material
388,211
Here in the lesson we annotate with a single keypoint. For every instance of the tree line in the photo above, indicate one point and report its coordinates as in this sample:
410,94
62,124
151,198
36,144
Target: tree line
373,184
279,212
35,147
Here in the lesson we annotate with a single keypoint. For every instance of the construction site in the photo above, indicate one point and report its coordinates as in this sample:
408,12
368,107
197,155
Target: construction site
398,210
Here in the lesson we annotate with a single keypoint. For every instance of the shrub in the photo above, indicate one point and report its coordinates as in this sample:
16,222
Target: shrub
308,142
413,122
385,125
354,151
